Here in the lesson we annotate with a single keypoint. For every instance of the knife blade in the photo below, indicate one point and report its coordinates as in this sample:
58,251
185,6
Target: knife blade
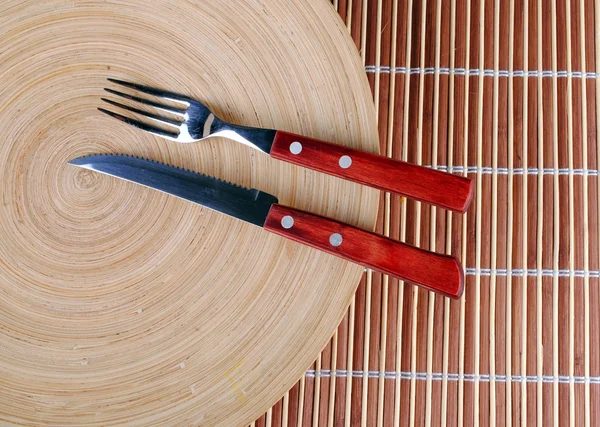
439,273
242,203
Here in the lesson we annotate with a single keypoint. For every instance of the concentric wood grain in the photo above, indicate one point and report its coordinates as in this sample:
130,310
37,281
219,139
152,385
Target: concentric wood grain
120,305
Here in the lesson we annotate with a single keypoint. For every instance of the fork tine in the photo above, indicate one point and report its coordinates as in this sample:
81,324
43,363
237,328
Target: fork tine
162,107
154,117
143,126
152,91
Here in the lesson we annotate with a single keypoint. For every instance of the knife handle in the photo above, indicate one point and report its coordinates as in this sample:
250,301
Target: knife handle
415,182
439,273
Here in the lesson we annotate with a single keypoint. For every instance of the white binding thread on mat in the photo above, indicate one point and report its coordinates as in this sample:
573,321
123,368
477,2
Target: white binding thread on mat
474,72
518,272
438,376
533,273
516,171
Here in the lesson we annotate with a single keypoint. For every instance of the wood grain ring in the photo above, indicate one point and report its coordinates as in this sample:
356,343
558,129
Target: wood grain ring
120,305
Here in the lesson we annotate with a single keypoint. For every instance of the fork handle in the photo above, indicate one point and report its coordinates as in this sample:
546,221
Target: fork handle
415,182
439,273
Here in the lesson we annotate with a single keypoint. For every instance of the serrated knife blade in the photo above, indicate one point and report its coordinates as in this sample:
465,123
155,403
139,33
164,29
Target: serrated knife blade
249,205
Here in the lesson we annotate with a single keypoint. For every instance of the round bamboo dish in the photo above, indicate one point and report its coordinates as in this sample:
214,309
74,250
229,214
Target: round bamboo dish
120,305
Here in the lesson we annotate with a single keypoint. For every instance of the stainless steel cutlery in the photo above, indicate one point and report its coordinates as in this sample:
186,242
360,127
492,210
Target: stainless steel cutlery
182,119
439,273
193,122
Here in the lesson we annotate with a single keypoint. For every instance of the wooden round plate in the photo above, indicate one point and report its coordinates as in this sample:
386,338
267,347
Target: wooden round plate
121,305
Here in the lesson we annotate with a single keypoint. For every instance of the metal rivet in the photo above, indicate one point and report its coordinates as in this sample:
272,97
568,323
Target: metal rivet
287,222
336,239
296,148
345,162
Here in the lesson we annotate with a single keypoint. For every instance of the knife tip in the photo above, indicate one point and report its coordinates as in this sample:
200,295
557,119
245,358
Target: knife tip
76,162
82,162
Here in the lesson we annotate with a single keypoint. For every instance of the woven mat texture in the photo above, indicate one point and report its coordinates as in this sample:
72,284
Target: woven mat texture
504,91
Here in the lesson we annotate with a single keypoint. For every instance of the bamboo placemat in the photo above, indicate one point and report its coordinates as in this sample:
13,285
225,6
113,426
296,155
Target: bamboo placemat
505,92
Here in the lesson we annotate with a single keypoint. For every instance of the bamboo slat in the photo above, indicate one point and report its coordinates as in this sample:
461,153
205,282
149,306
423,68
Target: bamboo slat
506,93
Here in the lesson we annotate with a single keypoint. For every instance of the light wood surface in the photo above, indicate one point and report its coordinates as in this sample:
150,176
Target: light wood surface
119,305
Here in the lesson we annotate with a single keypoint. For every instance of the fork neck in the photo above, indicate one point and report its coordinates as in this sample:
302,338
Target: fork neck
260,139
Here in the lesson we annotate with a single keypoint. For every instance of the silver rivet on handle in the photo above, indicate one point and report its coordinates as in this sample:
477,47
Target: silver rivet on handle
345,162
336,239
287,222
296,148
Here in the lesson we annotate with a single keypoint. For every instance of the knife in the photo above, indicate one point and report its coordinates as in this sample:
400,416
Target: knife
439,273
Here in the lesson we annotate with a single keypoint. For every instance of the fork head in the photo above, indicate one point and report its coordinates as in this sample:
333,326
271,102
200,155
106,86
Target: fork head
191,120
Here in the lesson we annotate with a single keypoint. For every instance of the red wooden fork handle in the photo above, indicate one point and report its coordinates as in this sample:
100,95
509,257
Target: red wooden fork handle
439,273
415,182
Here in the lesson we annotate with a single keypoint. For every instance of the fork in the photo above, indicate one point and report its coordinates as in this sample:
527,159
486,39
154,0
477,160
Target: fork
193,122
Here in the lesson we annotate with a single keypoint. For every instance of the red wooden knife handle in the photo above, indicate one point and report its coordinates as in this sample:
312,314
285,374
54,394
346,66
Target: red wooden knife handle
415,182
438,273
